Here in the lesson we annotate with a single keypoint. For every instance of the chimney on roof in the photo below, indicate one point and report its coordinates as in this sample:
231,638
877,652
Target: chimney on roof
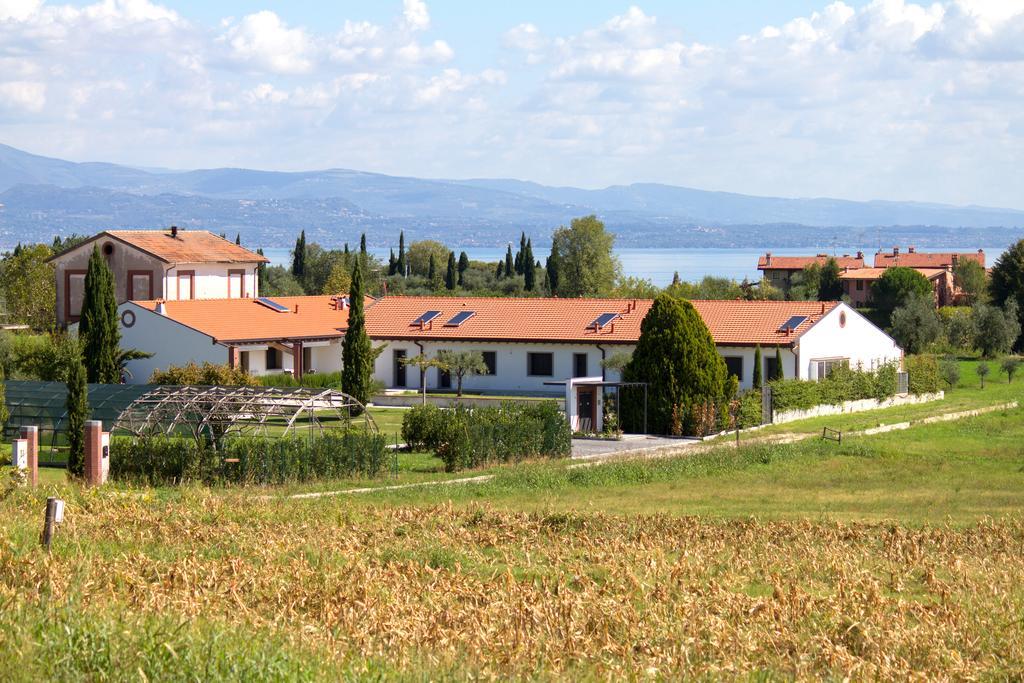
160,308
296,308
860,254
174,231
911,250
895,251
767,258
823,308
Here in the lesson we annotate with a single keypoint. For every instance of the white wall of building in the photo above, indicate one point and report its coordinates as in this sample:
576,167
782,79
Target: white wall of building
211,280
171,342
510,361
846,334
747,354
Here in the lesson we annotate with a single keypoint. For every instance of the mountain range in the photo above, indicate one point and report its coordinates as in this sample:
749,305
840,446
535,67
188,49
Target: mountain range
42,194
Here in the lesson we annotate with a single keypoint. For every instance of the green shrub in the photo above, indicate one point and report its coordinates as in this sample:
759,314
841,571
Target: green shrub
249,460
471,437
750,409
320,380
923,372
842,384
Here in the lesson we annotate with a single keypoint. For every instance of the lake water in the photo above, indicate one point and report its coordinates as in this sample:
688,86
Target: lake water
658,265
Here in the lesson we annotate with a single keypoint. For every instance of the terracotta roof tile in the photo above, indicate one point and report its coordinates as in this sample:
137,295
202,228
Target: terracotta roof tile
493,319
876,273
917,259
769,262
190,246
236,320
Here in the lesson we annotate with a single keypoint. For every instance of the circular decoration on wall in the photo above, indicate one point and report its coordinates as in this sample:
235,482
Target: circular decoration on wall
128,318
842,318
108,249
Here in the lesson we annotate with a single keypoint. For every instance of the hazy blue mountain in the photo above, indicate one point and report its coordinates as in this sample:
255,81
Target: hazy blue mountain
51,194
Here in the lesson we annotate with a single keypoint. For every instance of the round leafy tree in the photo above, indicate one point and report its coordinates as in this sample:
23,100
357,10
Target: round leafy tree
895,287
1007,282
676,357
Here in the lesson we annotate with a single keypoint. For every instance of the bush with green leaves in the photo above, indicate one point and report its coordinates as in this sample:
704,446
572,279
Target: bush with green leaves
957,327
895,287
982,369
995,329
466,437
1010,366
207,374
161,461
923,374
316,380
915,324
750,408
840,385
949,370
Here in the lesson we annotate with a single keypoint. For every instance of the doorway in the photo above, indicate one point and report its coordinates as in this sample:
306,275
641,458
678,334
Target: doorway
586,408
399,357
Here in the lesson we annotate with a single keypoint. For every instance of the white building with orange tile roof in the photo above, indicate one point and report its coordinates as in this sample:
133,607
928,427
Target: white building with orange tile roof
527,343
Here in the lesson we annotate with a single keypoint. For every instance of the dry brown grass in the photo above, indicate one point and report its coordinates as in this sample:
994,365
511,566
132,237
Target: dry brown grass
504,594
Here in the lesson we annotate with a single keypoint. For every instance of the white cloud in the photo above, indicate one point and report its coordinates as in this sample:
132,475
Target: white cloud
27,95
415,14
265,41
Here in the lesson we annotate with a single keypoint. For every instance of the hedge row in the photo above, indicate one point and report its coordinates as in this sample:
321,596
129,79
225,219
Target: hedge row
169,461
842,384
317,380
923,373
471,437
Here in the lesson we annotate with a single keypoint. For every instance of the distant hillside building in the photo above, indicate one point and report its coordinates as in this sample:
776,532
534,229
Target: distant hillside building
913,258
857,284
169,264
779,270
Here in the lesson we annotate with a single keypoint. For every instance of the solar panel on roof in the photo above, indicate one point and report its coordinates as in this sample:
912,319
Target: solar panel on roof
603,320
426,318
272,305
793,323
459,318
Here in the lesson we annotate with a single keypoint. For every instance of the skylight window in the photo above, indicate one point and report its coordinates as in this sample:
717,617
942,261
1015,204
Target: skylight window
793,323
272,305
603,320
459,318
426,318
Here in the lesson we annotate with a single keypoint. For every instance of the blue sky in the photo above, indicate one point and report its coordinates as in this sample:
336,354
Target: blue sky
886,99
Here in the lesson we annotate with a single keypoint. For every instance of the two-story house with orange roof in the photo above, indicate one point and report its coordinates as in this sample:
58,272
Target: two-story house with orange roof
778,271
172,265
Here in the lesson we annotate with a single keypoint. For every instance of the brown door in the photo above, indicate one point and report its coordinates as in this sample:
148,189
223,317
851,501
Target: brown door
586,408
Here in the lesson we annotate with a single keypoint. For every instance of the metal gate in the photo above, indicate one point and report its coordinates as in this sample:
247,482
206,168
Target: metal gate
766,404
902,383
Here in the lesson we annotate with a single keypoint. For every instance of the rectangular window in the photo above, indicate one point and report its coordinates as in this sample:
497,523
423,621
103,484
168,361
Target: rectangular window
273,358
491,361
140,285
245,360
307,359
769,367
825,367
860,285
734,364
74,291
540,364
236,284
579,365
186,285
444,379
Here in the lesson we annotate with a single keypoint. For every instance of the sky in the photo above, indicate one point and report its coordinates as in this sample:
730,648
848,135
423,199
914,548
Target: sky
886,99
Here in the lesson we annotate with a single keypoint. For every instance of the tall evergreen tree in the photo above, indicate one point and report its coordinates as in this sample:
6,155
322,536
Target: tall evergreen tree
400,265
675,278
432,268
392,262
830,287
778,372
520,262
357,355
676,356
757,367
500,272
238,238
261,267
98,328
510,266
450,277
529,267
299,257
553,268
463,267
362,244
77,405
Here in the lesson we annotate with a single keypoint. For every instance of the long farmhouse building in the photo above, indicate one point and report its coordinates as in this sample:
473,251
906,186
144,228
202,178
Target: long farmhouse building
526,343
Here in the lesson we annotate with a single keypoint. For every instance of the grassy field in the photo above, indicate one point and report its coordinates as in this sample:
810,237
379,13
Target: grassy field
892,556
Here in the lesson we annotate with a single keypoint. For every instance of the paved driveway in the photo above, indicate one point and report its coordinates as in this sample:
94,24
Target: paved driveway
583,449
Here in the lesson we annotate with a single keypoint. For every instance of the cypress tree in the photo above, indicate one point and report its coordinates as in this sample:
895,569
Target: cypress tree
675,278
779,373
677,358
449,276
261,268
529,268
500,272
520,262
362,244
392,262
400,265
357,352
98,329
757,367
463,267
432,268
299,257
510,266
78,412
238,238
553,266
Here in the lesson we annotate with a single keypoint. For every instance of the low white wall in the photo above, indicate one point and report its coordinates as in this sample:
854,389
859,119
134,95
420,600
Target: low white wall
855,407
409,401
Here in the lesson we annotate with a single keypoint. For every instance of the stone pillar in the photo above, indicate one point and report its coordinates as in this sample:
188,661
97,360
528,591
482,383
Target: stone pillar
97,453
19,454
31,434
297,360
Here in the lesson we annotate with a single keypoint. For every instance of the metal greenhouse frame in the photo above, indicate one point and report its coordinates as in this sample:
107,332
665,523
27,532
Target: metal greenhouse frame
201,412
